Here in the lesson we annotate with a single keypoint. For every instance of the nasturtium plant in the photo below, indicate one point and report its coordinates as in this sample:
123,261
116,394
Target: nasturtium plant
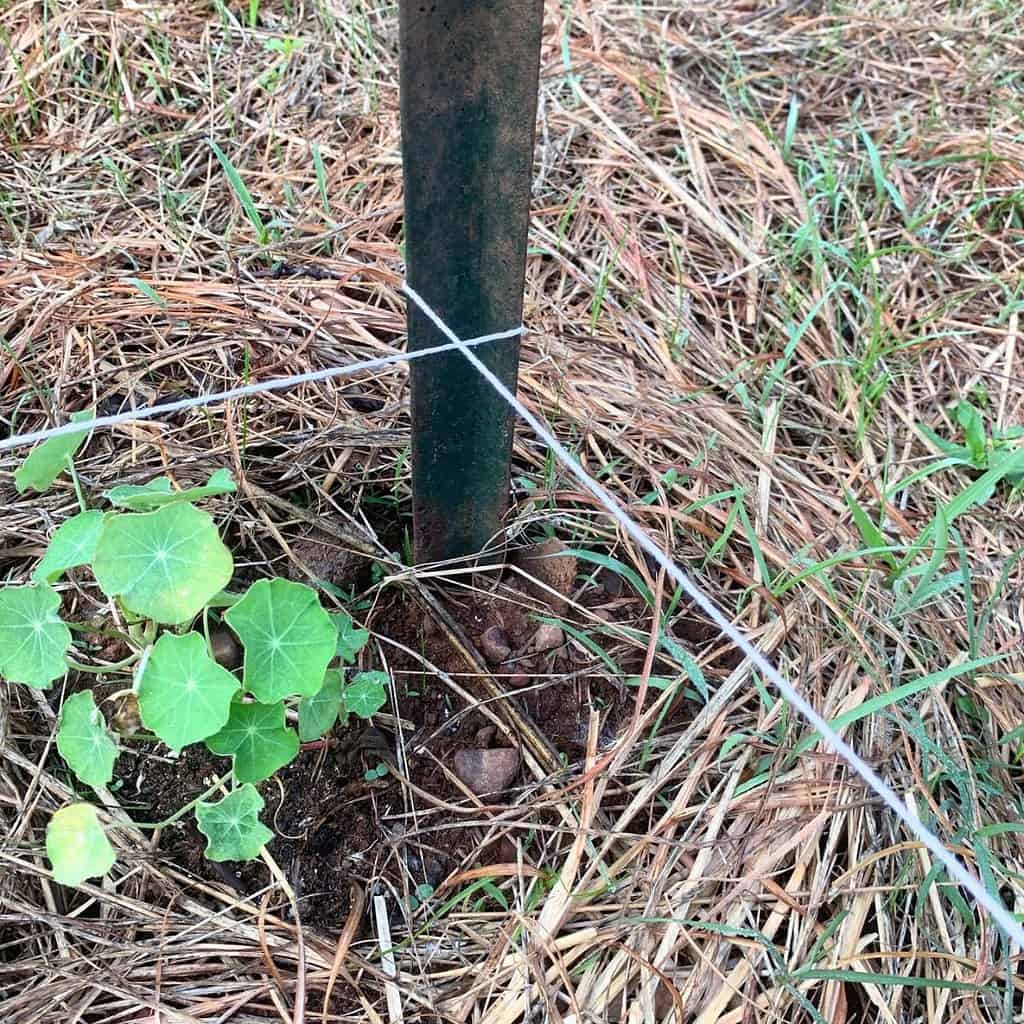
84,741
184,695
363,697
33,640
160,492
77,846
163,565
351,639
288,639
258,740
46,462
73,544
366,694
232,826
164,573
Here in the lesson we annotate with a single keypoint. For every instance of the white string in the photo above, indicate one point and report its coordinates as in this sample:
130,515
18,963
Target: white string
246,390
1003,918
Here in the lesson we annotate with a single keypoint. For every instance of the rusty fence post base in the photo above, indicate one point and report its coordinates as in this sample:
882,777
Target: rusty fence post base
469,75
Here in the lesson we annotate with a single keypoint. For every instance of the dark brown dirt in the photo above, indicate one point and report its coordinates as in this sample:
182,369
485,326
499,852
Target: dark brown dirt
330,562
321,825
559,708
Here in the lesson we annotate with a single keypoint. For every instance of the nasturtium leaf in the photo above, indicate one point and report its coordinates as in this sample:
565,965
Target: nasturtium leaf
47,461
33,639
350,639
164,565
137,497
256,736
160,492
287,637
84,740
73,543
232,826
184,695
317,714
366,694
77,846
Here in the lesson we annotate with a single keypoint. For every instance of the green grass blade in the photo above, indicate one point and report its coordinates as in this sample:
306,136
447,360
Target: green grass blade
870,978
321,180
148,291
614,565
242,193
890,697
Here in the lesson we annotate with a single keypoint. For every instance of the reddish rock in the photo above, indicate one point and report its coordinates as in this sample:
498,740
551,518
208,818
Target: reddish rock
487,771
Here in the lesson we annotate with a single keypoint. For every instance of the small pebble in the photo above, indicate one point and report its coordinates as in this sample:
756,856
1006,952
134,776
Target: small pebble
485,735
487,771
611,581
514,680
425,867
495,645
547,638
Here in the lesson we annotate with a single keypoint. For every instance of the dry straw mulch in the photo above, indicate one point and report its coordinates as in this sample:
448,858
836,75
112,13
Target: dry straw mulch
768,243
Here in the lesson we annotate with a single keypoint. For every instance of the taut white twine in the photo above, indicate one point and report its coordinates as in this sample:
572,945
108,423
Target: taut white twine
244,391
1002,917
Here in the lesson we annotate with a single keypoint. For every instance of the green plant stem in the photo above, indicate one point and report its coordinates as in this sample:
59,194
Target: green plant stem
110,634
78,486
182,811
117,666
145,635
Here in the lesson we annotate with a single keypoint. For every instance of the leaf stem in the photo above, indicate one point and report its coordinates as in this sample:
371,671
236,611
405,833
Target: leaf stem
78,486
182,811
116,666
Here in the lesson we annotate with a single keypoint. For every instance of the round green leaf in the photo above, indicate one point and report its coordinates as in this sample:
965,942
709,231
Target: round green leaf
164,565
317,714
366,694
33,639
73,543
184,695
84,741
47,461
232,826
288,639
77,846
256,736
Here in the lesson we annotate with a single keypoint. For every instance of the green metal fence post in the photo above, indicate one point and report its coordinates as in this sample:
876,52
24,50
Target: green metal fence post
469,71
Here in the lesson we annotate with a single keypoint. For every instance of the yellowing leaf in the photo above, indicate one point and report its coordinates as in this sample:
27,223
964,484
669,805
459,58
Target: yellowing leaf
77,846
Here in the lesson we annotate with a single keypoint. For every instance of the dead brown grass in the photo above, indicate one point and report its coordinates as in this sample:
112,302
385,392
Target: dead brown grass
680,235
